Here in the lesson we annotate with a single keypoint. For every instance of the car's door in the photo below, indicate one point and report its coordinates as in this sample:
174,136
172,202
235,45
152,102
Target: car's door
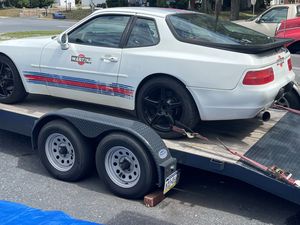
88,69
269,21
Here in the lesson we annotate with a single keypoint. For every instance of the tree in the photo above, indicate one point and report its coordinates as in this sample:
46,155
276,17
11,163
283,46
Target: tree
235,9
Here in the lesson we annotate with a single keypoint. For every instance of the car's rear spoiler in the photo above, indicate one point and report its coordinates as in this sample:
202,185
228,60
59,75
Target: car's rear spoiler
246,48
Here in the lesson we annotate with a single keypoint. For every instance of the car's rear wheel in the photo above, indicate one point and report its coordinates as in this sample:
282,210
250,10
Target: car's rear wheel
163,102
11,86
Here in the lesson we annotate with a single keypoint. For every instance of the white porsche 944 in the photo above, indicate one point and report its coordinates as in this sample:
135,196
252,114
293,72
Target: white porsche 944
168,65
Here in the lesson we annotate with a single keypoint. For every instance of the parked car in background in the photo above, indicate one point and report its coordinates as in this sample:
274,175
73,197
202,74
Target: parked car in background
290,29
268,21
58,15
170,66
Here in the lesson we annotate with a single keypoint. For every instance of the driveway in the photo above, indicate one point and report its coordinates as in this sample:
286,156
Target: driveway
12,24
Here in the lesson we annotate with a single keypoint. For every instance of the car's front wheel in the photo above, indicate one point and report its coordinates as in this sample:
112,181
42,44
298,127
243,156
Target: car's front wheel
11,86
163,102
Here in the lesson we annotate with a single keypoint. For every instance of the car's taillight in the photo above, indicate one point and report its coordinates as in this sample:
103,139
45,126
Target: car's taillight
259,77
290,65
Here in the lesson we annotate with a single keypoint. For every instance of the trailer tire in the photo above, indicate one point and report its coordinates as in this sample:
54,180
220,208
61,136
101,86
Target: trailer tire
10,82
64,152
125,166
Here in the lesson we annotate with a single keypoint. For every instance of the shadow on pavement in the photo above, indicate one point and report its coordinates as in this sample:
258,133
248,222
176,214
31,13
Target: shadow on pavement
131,218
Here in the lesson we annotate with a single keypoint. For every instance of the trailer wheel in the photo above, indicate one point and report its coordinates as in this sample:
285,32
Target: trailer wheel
125,166
64,151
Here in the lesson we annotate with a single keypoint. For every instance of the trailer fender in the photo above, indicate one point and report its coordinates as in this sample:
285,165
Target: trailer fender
96,126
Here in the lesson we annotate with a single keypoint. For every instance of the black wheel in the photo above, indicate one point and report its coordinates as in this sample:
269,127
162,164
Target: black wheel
163,102
11,86
124,165
290,100
64,151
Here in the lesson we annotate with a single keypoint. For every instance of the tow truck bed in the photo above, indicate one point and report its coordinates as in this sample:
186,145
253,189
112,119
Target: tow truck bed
275,142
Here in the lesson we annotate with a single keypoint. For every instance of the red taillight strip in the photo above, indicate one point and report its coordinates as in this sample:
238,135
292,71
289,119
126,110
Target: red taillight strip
290,64
259,77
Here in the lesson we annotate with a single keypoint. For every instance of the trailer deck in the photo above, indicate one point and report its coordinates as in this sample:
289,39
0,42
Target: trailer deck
275,142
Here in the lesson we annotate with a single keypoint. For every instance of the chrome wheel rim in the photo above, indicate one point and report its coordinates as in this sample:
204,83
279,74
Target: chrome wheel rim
60,152
122,167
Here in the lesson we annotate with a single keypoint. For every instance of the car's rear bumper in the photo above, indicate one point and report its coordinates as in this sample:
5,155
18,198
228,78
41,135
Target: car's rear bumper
243,102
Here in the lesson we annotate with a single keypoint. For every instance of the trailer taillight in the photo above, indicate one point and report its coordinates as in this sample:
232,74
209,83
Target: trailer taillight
259,77
290,65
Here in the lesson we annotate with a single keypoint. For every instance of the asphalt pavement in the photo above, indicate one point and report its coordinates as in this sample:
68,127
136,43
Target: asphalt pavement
13,24
200,198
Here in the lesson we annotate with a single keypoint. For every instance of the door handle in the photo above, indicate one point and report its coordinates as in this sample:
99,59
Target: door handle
109,58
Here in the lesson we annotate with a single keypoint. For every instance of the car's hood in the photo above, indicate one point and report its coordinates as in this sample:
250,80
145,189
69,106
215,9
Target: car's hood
28,42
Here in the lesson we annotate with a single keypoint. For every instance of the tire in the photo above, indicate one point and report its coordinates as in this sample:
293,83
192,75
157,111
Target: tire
156,106
11,86
64,152
124,166
290,99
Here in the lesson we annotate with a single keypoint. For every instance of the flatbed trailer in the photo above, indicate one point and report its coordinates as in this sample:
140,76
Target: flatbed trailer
275,142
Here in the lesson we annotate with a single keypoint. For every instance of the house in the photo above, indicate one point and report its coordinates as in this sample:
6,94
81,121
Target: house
65,4
89,3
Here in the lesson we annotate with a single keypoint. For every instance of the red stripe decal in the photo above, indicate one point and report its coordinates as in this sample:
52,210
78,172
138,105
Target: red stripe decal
81,84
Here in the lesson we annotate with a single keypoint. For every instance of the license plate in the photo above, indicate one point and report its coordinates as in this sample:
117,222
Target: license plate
171,181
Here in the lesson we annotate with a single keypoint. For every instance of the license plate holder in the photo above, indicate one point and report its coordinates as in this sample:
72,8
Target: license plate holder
171,181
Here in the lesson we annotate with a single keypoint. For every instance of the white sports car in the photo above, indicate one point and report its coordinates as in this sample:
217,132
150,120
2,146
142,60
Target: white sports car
168,65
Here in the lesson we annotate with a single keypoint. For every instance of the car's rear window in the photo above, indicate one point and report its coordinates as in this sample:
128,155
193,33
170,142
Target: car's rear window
201,28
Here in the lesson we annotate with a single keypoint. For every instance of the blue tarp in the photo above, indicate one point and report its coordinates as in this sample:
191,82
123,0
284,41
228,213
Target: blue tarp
17,214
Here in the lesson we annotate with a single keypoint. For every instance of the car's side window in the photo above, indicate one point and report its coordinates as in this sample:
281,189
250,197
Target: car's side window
275,15
105,31
144,33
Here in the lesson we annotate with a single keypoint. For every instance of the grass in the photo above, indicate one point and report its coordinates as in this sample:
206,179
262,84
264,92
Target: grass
243,15
77,14
10,12
17,35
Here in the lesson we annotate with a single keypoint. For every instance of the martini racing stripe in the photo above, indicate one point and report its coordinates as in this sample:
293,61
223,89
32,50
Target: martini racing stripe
79,84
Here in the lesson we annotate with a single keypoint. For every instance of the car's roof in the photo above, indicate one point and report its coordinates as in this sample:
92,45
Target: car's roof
153,11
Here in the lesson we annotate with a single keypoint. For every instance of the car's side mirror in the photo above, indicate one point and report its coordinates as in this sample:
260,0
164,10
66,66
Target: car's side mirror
63,40
258,20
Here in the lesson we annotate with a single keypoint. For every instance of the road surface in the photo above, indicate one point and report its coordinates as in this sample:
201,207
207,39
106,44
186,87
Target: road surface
13,24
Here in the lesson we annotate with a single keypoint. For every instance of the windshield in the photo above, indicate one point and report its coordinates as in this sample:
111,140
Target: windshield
201,28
